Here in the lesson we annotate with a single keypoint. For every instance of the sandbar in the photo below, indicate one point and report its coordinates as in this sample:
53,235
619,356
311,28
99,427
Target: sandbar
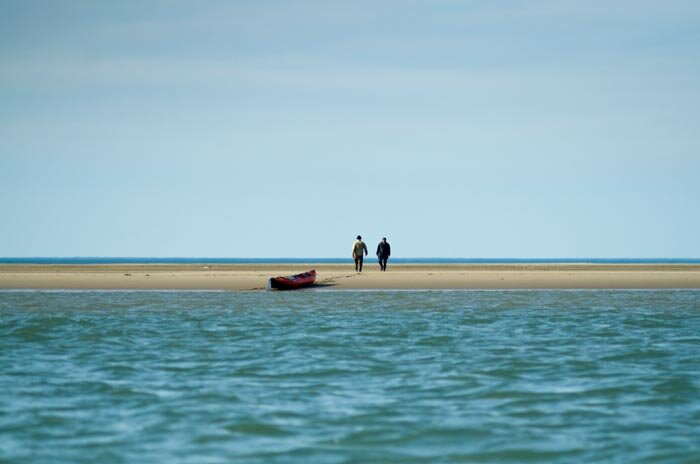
254,277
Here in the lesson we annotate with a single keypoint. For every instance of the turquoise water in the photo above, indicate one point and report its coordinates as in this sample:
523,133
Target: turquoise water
350,377
395,260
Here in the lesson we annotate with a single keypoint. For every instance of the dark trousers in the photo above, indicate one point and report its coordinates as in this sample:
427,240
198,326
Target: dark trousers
382,263
358,264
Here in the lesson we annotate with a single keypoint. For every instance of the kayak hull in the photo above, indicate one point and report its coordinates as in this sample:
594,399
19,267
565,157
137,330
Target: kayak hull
293,282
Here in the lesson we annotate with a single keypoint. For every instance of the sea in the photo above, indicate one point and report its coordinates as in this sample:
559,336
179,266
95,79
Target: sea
329,376
394,260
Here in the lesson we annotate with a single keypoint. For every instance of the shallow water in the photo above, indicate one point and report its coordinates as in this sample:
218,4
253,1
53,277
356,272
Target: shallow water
335,377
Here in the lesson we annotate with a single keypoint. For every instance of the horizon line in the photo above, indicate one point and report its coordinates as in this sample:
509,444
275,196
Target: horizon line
346,258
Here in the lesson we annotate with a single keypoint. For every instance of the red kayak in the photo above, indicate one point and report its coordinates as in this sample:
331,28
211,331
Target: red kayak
294,281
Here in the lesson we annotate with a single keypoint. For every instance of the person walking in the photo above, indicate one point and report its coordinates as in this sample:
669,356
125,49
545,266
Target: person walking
357,249
383,253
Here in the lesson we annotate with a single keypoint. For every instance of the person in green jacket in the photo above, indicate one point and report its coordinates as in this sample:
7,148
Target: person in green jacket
357,249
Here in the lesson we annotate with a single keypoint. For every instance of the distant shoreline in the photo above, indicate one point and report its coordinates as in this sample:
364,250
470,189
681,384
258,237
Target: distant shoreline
439,261
415,276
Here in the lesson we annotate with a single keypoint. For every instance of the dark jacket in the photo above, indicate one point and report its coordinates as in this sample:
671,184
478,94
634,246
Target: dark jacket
383,250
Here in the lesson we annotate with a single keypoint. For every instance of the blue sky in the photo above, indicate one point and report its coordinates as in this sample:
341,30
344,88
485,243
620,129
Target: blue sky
285,128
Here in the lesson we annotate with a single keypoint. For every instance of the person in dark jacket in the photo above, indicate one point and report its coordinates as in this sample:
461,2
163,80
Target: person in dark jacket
383,253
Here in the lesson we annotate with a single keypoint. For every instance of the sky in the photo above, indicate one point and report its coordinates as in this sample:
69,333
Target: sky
272,128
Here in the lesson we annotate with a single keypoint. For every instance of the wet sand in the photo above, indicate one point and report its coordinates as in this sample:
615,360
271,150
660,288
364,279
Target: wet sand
343,277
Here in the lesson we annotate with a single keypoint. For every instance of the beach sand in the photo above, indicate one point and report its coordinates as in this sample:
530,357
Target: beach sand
343,277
